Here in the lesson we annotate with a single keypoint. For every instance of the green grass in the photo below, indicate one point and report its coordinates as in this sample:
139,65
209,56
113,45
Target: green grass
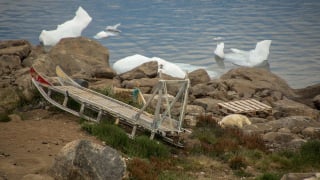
310,153
174,175
123,97
241,150
223,143
4,117
305,159
152,159
155,168
143,147
140,146
269,176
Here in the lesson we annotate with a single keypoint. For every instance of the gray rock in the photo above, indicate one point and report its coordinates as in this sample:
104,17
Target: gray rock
146,70
82,159
201,90
36,177
281,140
293,123
294,144
301,176
279,137
190,121
316,101
79,57
104,72
19,48
248,81
284,130
144,84
194,110
9,98
208,104
259,128
255,120
198,76
8,64
293,108
311,132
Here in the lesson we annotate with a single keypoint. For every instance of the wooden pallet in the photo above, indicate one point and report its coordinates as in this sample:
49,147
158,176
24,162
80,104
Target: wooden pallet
249,106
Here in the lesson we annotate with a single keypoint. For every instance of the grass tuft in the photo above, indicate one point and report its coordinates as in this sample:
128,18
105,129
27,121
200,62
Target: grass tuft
218,142
269,176
4,117
140,146
237,163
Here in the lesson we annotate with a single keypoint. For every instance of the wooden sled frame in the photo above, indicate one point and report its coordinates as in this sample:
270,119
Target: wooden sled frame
161,124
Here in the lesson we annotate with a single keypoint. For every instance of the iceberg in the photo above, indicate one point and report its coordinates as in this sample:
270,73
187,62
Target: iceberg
128,63
104,34
114,28
71,28
251,58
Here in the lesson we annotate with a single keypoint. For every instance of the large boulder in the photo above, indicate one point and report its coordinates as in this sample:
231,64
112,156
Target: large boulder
9,99
191,115
146,70
299,176
277,141
209,104
285,133
82,159
201,90
198,76
316,101
145,84
294,123
292,108
18,48
246,81
79,57
309,95
15,84
12,53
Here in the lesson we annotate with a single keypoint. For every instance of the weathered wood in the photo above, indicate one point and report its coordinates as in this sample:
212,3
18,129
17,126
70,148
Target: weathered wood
137,118
244,106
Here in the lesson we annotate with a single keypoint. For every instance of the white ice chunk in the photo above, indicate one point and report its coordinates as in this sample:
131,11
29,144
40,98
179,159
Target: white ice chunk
250,58
71,28
128,63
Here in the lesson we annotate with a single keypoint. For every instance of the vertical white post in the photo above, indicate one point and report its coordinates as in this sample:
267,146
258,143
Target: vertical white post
99,115
117,121
134,129
82,108
65,101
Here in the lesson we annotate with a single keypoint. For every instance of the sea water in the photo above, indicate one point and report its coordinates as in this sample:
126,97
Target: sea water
185,31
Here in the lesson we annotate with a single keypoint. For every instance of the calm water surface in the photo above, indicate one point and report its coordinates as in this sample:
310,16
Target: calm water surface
183,31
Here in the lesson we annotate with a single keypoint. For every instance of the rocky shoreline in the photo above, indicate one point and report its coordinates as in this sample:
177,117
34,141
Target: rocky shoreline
295,116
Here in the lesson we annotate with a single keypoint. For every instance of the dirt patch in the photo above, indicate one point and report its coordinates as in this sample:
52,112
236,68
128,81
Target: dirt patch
30,142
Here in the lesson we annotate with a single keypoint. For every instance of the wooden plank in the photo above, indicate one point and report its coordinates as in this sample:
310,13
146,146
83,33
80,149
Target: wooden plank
113,107
229,107
245,106
241,106
106,105
261,104
248,104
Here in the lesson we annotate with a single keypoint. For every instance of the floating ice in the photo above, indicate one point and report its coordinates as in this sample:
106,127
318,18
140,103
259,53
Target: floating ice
113,28
71,28
130,62
104,34
219,50
250,58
